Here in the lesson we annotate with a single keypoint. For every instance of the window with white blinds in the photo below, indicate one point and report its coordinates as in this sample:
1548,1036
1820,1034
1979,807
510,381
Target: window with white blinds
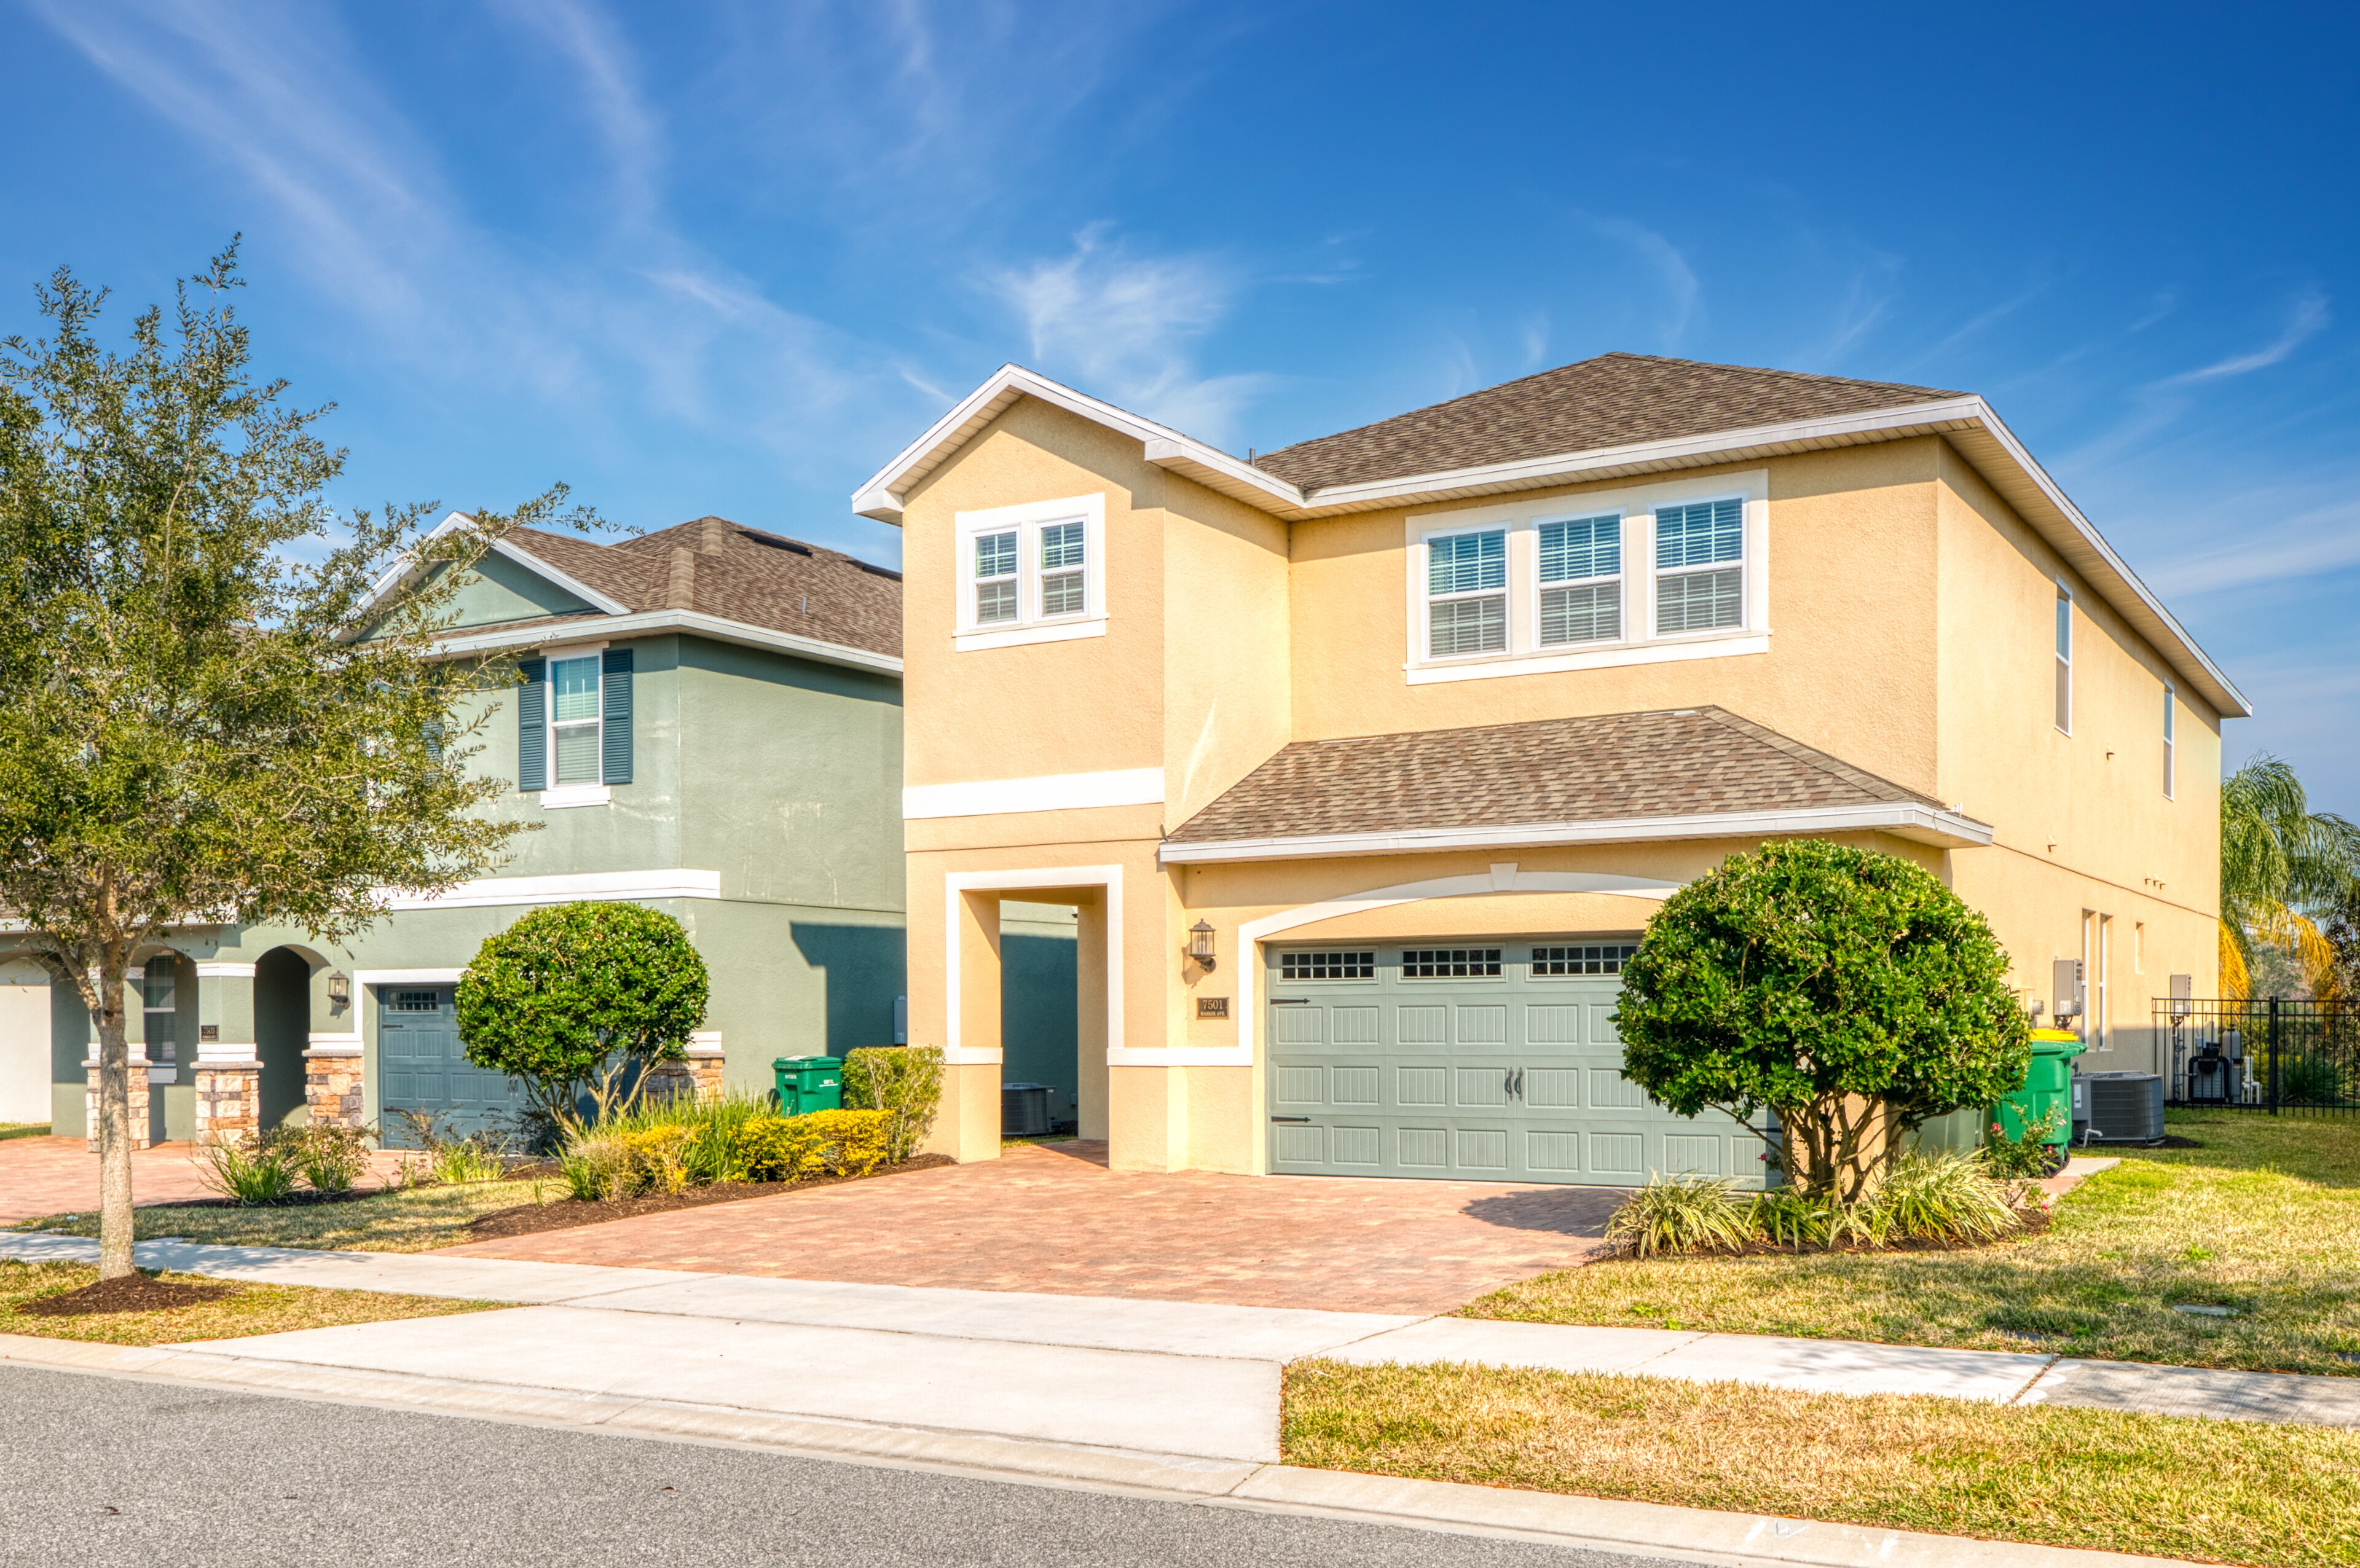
574,713
1032,572
1467,601
995,578
1581,580
1700,567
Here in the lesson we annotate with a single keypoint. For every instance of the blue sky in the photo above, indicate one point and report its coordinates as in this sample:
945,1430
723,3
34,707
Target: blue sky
713,257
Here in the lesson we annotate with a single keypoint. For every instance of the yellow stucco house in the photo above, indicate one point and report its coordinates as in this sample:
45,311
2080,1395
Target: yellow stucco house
1363,763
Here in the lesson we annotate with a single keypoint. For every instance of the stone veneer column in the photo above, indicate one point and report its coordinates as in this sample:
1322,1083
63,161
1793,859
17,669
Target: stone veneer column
135,1092
331,1080
700,1076
228,1063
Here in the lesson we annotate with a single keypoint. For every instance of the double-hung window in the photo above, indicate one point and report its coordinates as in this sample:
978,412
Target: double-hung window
2170,738
1033,573
1467,593
1065,581
2064,659
1700,567
159,1007
995,579
575,727
1581,580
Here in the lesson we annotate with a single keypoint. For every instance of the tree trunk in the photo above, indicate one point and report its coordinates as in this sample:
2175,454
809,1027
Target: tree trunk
113,1128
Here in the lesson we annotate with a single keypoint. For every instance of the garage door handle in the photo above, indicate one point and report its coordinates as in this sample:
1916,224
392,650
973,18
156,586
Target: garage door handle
1306,1120
1515,1085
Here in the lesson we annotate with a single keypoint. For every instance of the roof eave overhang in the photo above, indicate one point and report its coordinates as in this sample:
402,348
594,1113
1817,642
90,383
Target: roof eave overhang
1918,823
405,570
650,623
1968,422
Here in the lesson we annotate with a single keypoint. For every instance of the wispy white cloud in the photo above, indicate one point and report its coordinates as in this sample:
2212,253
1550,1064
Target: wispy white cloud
2307,317
629,321
1126,325
1683,293
2292,548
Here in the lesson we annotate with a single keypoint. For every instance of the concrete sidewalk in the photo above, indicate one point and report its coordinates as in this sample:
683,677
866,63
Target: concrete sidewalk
1091,1370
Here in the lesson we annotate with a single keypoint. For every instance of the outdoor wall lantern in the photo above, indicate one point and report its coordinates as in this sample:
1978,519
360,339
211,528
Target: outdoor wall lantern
340,989
1201,946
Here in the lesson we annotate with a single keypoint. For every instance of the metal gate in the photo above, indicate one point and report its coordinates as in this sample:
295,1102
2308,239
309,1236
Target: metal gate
1491,1059
2284,1056
421,1067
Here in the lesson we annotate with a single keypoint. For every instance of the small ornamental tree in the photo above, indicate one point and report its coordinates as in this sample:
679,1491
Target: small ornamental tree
192,731
583,999
1848,992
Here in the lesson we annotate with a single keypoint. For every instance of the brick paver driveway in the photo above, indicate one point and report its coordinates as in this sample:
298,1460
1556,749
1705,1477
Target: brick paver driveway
1054,1218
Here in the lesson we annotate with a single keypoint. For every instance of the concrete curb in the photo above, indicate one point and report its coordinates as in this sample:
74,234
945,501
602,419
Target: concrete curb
1597,1523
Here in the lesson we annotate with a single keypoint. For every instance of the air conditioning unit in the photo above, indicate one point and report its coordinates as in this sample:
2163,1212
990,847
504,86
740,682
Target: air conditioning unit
1024,1110
2124,1108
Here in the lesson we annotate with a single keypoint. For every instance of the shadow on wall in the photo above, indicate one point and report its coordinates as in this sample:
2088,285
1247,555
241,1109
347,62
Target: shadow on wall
863,970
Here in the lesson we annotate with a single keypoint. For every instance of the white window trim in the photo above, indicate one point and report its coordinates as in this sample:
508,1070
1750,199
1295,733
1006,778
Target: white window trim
1526,654
1503,592
1030,626
556,797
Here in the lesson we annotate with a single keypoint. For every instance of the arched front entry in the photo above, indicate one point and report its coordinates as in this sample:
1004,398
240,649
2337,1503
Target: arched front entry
1473,1054
282,1030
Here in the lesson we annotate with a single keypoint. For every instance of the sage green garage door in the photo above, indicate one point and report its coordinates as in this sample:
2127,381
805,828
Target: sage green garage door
1493,1060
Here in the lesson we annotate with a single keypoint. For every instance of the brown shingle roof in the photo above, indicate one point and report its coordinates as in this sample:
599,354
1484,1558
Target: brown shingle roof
1612,400
1689,762
717,567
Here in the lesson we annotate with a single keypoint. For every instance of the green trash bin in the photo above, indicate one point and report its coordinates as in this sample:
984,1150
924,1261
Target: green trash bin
808,1084
2046,1094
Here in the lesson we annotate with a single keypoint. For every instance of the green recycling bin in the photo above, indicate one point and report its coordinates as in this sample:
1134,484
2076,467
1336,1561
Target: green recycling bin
808,1084
2047,1092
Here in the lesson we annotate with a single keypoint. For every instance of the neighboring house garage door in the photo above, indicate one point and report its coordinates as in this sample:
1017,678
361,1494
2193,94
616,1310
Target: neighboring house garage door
1495,1060
423,1068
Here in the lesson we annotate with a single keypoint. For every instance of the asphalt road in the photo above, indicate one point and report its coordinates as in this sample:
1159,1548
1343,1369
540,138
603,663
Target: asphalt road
97,1471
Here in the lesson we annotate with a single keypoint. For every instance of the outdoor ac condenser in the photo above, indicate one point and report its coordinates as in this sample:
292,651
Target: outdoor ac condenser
2124,1108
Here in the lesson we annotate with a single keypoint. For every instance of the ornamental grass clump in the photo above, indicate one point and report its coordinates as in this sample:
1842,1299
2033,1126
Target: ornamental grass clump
1681,1214
328,1156
1943,1197
262,1171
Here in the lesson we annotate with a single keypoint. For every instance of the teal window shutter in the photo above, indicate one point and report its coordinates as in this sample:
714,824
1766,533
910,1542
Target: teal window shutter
533,726
614,686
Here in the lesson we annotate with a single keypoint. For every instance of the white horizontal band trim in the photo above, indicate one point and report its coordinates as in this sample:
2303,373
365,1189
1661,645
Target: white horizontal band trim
1923,823
1180,1056
647,623
487,891
321,1041
163,1075
1596,659
406,976
224,971
706,1042
334,1050
247,1063
1050,792
558,797
972,1055
1017,637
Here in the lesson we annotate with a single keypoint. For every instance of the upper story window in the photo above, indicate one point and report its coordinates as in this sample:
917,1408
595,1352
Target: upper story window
1700,567
1467,578
1657,571
1581,580
2170,738
1032,573
159,1007
2064,659
573,721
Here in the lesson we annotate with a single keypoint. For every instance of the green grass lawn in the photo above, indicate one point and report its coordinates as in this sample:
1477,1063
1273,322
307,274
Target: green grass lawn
23,1129
413,1219
248,1309
2221,1491
2265,1218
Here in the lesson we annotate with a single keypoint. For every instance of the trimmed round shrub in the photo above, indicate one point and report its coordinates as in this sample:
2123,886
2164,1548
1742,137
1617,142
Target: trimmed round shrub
1848,993
583,1000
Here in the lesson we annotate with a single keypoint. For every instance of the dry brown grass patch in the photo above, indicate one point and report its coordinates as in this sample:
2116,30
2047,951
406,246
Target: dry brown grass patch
223,1309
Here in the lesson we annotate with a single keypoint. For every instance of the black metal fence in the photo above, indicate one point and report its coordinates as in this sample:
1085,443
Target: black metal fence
2284,1057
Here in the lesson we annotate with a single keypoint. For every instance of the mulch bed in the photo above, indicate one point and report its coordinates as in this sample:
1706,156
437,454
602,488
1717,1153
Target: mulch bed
302,1197
564,1213
130,1293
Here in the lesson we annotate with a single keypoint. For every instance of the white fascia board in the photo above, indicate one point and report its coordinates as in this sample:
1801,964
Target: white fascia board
404,569
1924,824
649,622
881,495
493,892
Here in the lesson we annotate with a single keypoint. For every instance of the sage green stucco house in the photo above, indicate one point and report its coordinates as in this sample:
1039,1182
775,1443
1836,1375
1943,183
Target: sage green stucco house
709,722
